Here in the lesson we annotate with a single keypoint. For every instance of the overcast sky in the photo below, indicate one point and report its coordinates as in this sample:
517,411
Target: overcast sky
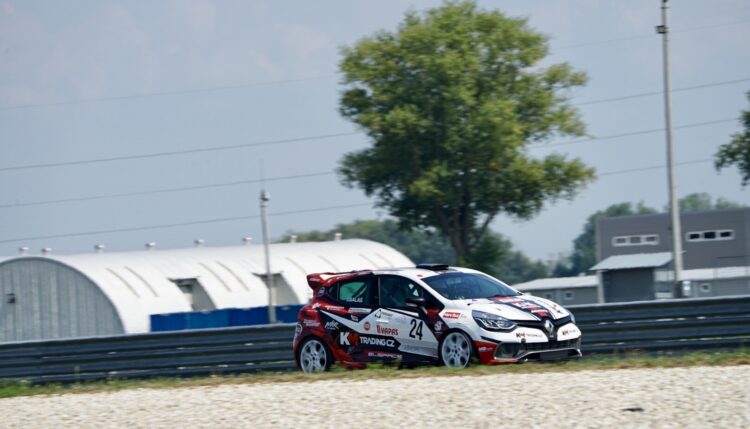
92,80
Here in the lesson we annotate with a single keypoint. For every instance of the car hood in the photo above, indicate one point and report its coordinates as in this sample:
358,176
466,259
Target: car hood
521,307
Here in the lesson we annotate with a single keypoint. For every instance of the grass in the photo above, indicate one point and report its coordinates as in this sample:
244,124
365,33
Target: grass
14,388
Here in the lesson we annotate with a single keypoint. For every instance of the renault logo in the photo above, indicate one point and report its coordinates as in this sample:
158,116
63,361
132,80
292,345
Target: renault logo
549,326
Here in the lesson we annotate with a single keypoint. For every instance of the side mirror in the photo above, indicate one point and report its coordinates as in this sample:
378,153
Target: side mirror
415,302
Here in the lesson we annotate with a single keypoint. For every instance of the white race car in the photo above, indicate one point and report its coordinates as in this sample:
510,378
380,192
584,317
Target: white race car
427,313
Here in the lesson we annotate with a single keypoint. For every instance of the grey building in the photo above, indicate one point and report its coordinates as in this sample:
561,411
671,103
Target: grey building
710,239
563,290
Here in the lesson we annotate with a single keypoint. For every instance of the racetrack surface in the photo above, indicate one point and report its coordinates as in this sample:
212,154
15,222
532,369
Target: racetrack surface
691,397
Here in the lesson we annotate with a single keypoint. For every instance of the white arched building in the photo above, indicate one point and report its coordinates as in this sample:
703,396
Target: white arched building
59,296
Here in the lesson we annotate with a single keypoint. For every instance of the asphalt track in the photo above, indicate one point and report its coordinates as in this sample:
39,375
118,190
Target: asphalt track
695,397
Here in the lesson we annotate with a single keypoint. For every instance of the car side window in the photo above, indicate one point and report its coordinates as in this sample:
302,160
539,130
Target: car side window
355,291
394,291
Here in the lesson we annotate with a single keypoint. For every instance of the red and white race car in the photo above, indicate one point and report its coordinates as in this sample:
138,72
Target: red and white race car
431,313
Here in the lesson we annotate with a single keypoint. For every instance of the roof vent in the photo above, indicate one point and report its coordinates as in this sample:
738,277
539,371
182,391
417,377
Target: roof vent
23,251
247,241
337,236
46,251
199,242
99,248
292,238
150,245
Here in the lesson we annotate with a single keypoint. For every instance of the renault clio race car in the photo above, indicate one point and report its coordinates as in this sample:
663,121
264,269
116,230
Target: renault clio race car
431,313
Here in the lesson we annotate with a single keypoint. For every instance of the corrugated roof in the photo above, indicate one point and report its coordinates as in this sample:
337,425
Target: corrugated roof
558,283
637,260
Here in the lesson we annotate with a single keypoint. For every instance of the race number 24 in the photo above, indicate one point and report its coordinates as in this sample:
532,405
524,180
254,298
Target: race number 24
416,329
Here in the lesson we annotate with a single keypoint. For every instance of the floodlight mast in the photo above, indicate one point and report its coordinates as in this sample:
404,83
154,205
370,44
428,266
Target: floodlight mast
674,208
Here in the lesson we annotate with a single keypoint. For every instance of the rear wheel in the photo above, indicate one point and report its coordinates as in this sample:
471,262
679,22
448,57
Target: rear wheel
455,350
314,356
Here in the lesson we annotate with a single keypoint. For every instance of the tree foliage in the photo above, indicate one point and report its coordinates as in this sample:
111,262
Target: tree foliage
450,101
737,151
702,201
495,255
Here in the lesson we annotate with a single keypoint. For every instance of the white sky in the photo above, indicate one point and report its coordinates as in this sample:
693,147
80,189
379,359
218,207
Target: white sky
57,52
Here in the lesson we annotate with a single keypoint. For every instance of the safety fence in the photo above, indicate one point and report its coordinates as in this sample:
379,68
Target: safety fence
672,326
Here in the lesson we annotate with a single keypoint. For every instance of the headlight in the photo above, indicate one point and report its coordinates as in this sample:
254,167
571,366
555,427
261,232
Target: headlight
492,322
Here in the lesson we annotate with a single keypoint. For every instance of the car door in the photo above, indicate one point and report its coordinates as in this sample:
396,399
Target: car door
409,326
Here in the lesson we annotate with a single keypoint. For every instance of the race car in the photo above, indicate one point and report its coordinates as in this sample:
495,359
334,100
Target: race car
429,313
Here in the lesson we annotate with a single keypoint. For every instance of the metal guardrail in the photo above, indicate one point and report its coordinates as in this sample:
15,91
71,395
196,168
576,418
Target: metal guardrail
653,326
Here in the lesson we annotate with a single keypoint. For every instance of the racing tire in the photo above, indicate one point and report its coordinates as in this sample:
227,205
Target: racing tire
314,356
456,350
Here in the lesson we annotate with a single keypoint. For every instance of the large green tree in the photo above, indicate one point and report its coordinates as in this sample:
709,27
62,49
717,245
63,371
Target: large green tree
737,151
450,101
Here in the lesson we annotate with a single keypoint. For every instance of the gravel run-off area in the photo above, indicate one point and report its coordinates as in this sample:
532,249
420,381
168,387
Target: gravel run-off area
692,397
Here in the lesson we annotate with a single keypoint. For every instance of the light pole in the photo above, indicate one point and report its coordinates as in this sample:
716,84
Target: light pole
265,197
674,208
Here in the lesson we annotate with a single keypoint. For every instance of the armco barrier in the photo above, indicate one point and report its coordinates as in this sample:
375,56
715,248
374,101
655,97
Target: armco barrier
654,327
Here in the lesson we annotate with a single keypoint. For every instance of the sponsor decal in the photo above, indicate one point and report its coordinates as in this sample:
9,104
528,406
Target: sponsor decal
316,305
451,315
520,334
332,325
367,326
383,330
311,323
376,341
358,310
344,339
355,318
485,349
334,308
522,304
384,355
378,313
438,326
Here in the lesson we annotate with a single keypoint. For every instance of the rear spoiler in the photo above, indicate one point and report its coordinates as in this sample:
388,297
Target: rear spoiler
325,279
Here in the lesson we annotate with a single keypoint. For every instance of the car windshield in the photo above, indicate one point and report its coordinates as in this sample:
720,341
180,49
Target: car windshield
468,286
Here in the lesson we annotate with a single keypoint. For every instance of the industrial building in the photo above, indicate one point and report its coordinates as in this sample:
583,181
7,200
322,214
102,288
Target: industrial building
635,260
59,296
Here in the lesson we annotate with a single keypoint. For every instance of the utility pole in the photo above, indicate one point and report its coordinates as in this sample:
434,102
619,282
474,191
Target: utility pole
674,208
265,197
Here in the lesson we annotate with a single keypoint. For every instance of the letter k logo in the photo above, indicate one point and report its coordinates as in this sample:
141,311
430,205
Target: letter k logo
344,339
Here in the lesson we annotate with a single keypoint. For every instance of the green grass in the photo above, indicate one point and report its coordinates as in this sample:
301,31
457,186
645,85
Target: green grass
13,388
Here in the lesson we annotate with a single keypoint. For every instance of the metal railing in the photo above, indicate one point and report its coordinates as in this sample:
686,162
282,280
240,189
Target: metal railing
652,327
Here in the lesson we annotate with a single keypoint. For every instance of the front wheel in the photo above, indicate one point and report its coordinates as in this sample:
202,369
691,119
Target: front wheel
455,350
314,356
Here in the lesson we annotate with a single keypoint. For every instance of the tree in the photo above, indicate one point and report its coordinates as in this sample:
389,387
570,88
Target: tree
450,102
737,151
496,256
701,201
419,246
584,246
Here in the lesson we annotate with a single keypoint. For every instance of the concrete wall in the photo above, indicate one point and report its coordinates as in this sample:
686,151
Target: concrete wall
702,254
42,299
628,285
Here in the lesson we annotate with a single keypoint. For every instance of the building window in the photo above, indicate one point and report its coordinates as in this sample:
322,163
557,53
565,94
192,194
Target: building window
712,235
568,295
635,240
548,295
705,287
